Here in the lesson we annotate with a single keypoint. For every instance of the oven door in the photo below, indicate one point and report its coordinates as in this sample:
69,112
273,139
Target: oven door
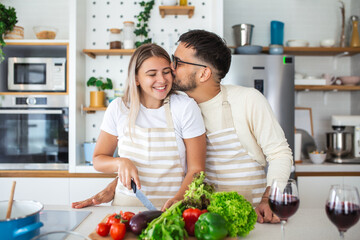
34,138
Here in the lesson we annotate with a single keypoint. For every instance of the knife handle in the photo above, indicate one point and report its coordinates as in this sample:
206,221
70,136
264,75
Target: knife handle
133,185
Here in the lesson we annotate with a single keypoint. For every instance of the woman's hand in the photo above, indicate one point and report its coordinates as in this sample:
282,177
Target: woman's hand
169,203
127,171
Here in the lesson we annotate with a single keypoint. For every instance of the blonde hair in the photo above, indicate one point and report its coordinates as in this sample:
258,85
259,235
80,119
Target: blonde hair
131,98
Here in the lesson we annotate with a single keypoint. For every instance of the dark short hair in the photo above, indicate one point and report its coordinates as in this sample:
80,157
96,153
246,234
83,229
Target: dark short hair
210,48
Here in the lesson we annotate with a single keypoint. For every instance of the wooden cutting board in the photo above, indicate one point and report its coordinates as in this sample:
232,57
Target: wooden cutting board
128,235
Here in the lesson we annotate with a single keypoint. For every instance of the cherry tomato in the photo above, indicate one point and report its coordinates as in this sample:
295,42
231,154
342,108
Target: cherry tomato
103,229
117,231
126,216
115,218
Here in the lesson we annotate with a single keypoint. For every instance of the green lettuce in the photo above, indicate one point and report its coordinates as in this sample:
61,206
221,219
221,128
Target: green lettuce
199,192
236,210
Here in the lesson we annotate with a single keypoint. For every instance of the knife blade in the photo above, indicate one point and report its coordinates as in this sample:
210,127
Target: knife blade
142,197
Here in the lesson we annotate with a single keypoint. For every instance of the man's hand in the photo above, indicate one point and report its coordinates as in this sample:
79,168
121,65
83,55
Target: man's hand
105,196
264,213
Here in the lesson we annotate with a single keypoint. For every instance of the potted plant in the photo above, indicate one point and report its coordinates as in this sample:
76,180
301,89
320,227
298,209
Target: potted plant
8,20
97,98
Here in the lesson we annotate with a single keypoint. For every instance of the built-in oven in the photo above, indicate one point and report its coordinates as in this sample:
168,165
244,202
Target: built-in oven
34,132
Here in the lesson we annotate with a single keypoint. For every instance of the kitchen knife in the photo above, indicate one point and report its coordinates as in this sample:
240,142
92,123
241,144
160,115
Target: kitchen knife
142,197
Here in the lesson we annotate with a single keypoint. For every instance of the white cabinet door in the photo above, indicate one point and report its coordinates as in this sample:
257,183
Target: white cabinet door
52,191
353,181
313,191
83,188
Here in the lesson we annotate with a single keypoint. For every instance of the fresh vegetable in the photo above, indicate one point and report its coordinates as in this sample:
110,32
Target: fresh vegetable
170,225
190,217
115,218
126,217
236,210
210,226
103,229
140,221
199,192
117,231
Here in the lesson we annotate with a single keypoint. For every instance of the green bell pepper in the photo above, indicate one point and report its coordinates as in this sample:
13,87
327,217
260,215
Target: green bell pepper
210,226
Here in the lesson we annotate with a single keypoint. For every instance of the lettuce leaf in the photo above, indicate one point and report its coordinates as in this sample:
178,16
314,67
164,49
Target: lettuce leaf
236,210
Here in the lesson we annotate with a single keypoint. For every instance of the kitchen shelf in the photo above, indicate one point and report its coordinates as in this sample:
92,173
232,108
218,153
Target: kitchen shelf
326,88
34,93
93,109
316,51
101,52
176,10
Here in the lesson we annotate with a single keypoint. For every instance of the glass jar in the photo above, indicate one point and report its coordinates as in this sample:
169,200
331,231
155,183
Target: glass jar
129,35
115,38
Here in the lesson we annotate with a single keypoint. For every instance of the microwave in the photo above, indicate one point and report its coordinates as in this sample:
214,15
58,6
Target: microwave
36,74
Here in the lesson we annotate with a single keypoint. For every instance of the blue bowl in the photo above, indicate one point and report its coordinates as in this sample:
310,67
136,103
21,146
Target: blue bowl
248,49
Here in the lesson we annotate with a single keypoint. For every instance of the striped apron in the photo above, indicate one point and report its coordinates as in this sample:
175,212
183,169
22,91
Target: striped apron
228,165
155,153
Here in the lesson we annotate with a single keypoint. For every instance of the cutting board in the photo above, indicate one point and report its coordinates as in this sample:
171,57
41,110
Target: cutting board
128,235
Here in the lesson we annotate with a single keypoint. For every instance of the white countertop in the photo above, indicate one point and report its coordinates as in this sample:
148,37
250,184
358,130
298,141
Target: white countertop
306,224
308,166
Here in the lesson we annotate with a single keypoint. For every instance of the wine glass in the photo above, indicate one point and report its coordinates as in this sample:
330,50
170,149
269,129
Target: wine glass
343,207
284,200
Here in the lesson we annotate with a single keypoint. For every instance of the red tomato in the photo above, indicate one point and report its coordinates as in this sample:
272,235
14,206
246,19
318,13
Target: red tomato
126,216
117,231
103,229
115,218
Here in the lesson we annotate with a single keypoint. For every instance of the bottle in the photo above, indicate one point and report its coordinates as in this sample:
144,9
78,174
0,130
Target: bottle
355,40
129,35
115,38
183,2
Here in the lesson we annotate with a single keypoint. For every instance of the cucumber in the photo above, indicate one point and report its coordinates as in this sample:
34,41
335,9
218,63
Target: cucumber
140,221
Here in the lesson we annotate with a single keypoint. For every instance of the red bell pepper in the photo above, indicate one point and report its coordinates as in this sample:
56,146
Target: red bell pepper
190,217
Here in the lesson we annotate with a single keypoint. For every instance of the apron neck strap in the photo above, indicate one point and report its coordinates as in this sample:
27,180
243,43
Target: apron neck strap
227,120
169,120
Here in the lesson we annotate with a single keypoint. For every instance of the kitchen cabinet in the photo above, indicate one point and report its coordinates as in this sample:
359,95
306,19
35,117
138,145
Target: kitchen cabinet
314,190
53,191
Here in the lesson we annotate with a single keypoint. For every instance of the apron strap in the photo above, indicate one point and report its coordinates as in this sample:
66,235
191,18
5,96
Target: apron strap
227,119
169,120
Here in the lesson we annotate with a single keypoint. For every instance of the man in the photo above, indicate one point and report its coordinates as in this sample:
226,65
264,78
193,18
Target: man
242,132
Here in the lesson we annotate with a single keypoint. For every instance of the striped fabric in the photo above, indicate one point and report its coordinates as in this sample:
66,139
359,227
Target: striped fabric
228,165
154,152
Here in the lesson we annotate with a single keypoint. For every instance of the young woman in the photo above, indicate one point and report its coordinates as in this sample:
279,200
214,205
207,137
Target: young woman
160,135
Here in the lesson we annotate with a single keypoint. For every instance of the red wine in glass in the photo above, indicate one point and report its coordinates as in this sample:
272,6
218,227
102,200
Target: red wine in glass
284,200
344,216
343,207
286,207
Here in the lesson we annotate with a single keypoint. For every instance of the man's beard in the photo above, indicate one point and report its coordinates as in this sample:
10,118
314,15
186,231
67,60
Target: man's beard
177,85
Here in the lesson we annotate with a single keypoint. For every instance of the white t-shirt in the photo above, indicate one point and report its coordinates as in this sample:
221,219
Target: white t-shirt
186,116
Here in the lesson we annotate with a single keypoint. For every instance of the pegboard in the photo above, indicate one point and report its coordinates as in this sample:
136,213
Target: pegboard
102,15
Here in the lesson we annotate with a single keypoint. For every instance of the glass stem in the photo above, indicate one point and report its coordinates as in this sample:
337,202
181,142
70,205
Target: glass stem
283,229
342,236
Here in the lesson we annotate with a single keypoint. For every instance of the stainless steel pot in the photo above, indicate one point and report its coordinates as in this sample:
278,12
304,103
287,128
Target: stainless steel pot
243,34
339,144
